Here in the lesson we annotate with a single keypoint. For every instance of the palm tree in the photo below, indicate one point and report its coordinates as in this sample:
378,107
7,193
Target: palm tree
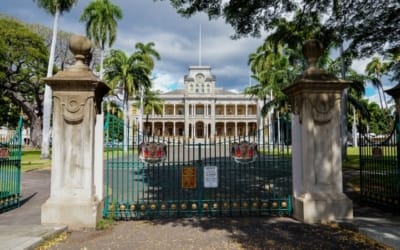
125,75
272,70
101,25
151,103
147,54
376,69
56,8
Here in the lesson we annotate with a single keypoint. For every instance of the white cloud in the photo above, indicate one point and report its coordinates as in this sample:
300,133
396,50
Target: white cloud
359,65
167,82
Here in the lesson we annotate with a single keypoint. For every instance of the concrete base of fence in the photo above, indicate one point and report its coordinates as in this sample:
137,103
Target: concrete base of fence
76,214
322,207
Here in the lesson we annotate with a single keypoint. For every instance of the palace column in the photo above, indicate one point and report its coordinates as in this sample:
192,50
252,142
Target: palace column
213,101
316,148
77,96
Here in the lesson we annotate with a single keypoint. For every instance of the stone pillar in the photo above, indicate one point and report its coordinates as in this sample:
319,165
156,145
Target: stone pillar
77,95
317,162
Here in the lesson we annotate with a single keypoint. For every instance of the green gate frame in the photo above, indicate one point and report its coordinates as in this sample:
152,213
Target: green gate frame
10,170
136,190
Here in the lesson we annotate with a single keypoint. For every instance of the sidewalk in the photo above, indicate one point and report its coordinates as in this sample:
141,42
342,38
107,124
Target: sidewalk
20,229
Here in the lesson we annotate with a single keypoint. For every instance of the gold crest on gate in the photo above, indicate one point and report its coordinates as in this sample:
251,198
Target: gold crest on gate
152,152
244,152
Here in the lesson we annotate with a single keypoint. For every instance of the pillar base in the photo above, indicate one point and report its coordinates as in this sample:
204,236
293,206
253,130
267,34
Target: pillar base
76,214
322,207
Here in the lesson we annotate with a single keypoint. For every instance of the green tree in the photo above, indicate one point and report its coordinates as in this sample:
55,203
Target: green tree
10,113
379,120
21,71
272,70
148,53
274,66
376,69
101,18
55,8
125,75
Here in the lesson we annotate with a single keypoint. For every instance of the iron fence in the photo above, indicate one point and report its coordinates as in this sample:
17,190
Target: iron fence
10,169
380,168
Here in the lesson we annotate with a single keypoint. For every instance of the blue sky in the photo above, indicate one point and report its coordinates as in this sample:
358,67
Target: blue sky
176,39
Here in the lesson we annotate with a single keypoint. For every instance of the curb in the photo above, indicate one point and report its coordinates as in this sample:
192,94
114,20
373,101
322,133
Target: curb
23,237
56,231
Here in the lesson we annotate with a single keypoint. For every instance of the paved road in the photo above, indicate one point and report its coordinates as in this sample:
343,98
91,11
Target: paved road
35,191
20,229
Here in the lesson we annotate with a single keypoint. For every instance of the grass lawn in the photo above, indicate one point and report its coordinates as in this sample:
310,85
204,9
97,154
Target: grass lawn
353,159
31,160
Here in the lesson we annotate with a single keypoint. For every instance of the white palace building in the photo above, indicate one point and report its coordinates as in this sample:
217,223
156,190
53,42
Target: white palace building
202,111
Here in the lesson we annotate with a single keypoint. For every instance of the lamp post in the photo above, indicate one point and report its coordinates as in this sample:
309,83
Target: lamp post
140,120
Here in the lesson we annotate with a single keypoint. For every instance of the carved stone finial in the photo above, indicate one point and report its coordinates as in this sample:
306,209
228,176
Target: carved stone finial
312,50
80,46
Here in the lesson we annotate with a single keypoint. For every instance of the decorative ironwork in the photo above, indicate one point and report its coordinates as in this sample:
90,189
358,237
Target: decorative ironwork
244,152
183,206
235,205
225,205
152,152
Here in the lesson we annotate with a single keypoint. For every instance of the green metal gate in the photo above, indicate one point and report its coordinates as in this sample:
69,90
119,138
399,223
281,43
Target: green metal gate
380,168
196,179
10,169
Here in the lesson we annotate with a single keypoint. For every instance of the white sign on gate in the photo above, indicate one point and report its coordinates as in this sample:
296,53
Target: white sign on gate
210,176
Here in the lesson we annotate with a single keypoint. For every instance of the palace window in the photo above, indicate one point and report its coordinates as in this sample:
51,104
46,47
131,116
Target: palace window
199,111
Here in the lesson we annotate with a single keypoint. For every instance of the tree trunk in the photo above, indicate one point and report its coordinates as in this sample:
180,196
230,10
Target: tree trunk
47,101
36,135
101,64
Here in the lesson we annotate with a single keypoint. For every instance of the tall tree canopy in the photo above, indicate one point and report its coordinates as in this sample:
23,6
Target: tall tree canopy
23,61
101,18
368,25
